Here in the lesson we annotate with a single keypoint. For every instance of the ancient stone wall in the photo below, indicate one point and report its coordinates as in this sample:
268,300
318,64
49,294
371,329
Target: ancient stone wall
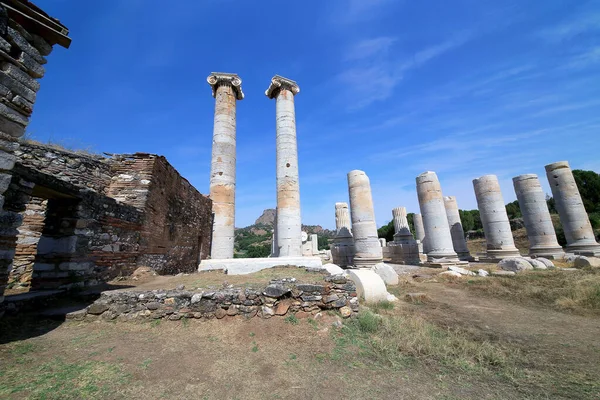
104,217
177,227
80,169
279,298
29,235
27,35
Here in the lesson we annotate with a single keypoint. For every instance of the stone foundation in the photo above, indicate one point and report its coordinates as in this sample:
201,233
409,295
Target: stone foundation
242,266
280,298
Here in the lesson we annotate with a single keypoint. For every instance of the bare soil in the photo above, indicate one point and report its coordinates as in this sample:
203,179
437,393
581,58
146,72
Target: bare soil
285,358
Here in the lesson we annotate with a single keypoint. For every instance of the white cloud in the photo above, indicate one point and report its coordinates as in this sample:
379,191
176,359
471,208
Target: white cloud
374,78
352,11
583,23
370,48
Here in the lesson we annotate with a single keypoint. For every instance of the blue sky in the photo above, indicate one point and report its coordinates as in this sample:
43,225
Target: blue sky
464,88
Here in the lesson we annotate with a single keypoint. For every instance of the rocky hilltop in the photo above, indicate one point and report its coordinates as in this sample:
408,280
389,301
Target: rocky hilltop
267,217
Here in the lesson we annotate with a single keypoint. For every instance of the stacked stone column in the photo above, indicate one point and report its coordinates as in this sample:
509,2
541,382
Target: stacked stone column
342,251
573,217
496,227
368,251
540,231
456,229
435,220
404,249
26,38
289,222
401,229
226,89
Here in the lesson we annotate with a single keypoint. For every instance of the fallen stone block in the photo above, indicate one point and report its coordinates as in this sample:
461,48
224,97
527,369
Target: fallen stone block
369,285
451,273
461,271
515,264
503,273
387,273
482,272
333,269
586,262
535,263
549,264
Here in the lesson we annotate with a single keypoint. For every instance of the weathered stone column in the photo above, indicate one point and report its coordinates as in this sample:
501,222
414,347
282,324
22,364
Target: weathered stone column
342,220
274,247
342,250
538,223
435,221
226,89
368,251
573,217
420,230
456,229
496,227
289,222
401,229
314,244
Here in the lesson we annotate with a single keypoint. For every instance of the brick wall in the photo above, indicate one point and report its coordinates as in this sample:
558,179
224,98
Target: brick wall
106,217
177,229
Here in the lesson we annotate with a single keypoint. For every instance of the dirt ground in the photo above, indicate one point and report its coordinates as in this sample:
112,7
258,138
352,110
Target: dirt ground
309,359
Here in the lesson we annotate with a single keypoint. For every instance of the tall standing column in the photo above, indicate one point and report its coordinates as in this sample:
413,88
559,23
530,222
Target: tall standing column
368,251
226,89
435,221
456,229
496,227
573,217
420,231
289,222
401,229
538,223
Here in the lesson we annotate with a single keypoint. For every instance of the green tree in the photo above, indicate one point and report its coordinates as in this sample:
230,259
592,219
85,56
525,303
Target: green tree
551,204
588,183
387,231
513,210
258,251
467,220
411,222
323,242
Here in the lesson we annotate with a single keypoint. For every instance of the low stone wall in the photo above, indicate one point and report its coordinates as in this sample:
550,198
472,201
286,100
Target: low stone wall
280,298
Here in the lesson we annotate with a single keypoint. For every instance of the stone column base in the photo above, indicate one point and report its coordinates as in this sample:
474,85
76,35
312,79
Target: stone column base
588,250
494,256
551,253
364,262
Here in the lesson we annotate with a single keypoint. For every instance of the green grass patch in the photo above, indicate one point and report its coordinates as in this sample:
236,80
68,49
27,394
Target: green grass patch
58,379
292,319
399,341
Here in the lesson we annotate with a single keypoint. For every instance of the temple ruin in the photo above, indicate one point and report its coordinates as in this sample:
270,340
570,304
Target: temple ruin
85,219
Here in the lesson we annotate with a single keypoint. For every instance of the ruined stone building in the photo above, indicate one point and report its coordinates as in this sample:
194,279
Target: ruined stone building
87,218
70,219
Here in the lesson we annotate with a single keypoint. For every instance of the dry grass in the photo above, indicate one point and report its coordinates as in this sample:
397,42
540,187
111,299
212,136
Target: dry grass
218,279
396,340
521,242
577,291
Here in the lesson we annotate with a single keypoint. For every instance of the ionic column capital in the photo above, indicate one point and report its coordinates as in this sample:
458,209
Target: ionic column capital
278,83
216,79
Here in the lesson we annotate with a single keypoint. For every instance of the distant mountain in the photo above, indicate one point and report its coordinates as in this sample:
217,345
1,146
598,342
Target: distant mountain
267,218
